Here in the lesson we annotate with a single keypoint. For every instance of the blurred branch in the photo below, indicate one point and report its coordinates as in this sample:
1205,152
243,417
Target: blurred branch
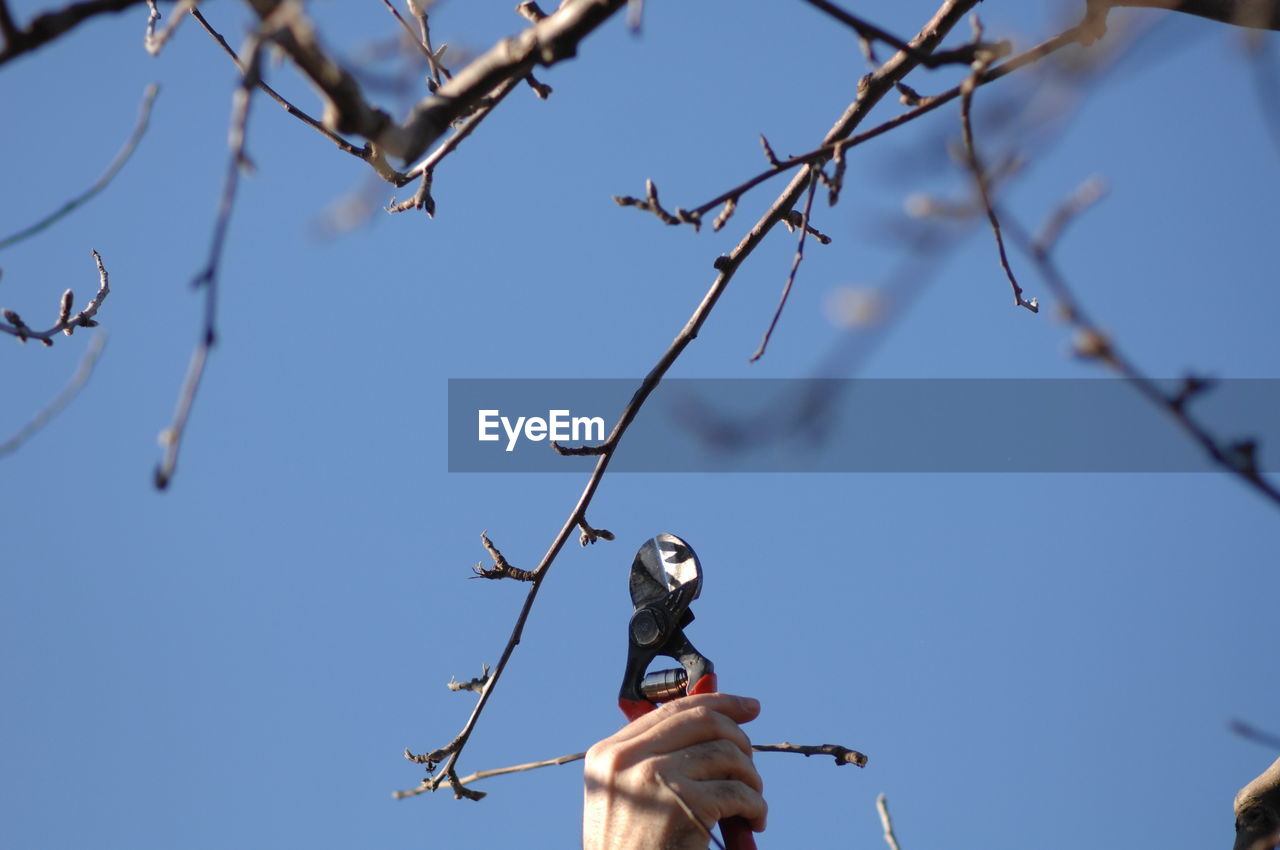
144,116
155,43
842,755
1253,14
886,822
1092,343
1253,733
237,160
78,380
836,149
48,26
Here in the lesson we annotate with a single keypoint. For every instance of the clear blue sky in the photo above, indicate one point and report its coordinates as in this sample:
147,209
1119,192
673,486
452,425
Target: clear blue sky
1043,661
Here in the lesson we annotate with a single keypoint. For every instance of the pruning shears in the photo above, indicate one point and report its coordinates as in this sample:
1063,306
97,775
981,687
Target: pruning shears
665,578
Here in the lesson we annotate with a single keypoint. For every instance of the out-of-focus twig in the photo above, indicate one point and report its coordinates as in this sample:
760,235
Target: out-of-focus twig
155,43
48,26
237,160
838,147
1253,733
886,822
130,145
1093,343
78,380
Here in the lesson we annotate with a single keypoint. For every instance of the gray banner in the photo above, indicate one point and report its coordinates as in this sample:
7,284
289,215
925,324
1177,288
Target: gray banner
854,425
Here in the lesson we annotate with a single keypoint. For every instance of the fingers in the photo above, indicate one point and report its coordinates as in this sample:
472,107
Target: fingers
716,800
713,760
696,711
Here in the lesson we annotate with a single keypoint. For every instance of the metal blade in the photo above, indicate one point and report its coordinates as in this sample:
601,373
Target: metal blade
664,564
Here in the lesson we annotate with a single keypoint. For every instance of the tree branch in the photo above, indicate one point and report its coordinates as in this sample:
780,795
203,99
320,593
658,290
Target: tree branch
66,323
144,116
842,755
1092,343
48,26
873,89
73,387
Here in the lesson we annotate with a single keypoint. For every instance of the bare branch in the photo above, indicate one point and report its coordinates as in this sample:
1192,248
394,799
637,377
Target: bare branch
362,153
171,437
501,568
978,170
877,85
1253,733
1092,343
886,822
155,43
842,755
835,149
803,227
130,145
1254,14
688,810
66,323
426,168
49,26
476,684
78,380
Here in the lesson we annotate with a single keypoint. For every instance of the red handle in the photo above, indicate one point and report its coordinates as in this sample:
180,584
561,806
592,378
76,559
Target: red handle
735,831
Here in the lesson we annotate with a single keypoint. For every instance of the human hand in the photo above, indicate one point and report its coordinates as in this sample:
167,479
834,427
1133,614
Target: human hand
691,747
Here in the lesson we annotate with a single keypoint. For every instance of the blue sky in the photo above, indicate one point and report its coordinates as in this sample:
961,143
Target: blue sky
1028,660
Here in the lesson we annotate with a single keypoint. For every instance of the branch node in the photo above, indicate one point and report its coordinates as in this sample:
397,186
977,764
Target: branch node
591,535
477,684
501,567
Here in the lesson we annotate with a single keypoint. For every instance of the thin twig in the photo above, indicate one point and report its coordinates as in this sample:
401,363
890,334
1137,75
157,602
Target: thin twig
78,380
426,168
978,170
1093,343
878,84
791,277
7,27
66,323
836,148
886,822
343,144
130,145
1253,733
688,810
501,771
842,755
418,42
171,437
155,43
